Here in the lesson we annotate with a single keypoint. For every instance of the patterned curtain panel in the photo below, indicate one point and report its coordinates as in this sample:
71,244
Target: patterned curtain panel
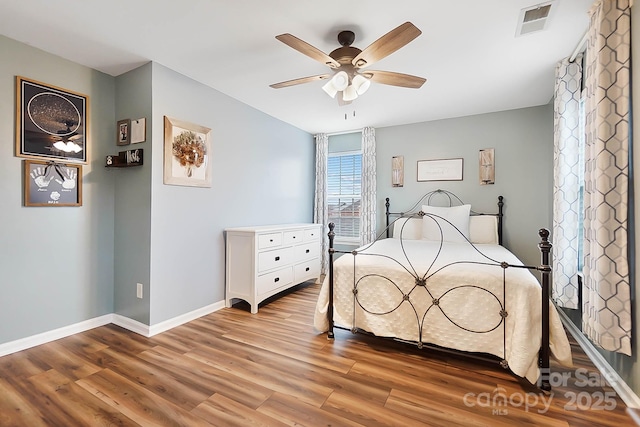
566,181
320,211
368,199
606,307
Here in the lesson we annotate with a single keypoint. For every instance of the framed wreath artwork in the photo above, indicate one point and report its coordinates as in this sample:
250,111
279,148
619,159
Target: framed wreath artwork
51,122
187,153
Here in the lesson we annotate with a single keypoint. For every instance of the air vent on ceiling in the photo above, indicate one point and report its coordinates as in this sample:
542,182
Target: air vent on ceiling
534,18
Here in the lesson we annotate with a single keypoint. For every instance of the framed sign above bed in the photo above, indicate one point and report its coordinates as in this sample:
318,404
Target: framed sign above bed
440,170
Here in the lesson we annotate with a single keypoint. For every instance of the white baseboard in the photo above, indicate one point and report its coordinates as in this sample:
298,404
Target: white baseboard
131,325
45,337
116,319
627,395
184,318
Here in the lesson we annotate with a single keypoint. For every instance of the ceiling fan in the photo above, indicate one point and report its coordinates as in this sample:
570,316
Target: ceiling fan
350,77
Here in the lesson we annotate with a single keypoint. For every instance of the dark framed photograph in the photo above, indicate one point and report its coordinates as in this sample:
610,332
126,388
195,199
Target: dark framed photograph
51,122
52,184
124,132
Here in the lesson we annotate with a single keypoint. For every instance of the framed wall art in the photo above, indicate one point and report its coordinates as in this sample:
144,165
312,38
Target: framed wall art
440,170
52,184
187,153
123,129
51,122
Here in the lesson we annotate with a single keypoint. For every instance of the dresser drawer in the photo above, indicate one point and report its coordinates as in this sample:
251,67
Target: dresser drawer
292,237
306,251
307,270
275,258
274,280
270,240
311,234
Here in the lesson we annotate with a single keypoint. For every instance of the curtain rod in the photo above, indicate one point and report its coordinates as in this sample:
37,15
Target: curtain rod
344,132
580,47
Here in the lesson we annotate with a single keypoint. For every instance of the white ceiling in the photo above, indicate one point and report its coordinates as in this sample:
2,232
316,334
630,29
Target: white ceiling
468,50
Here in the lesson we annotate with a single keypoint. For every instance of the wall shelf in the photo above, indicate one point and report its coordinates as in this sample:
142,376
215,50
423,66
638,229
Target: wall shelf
125,159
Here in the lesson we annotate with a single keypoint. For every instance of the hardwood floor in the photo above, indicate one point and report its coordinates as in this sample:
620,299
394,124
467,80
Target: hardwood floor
232,368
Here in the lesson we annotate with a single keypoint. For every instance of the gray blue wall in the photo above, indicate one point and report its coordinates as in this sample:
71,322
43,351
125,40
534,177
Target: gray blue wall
62,266
56,264
132,226
523,143
263,173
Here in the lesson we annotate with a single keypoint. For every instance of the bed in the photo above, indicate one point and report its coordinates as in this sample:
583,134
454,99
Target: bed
443,280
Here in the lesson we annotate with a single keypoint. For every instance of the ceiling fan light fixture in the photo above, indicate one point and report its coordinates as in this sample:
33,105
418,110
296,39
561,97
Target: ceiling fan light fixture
330,89
75,147
349,93
340,81
67,147
360,83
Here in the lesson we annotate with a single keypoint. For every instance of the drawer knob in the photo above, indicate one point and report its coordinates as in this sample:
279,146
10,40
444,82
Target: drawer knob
307,251
306,269
271,240
277,279
294,237
277,258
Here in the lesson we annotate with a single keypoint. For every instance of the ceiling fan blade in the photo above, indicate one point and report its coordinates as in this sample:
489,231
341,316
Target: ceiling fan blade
305,48
386,45
300,81
395,79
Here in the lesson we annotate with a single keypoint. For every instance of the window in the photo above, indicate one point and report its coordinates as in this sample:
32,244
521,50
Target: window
344,176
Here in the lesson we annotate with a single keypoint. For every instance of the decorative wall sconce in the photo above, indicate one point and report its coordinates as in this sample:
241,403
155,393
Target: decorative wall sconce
487,166
397,171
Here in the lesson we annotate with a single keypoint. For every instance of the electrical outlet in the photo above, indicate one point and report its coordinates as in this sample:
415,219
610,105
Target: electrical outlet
139,290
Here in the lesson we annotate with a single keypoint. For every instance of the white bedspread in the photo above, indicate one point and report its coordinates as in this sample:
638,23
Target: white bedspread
384,279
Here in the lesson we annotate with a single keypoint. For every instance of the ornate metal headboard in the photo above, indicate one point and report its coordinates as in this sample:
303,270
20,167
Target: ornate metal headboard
452,200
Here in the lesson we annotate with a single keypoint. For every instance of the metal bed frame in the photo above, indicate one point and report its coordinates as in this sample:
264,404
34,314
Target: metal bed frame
421,281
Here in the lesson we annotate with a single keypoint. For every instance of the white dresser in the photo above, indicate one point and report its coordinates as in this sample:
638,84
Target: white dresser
265,260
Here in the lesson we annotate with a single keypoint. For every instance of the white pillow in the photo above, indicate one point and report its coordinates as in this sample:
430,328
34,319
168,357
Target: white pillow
483,229
408,228
457,216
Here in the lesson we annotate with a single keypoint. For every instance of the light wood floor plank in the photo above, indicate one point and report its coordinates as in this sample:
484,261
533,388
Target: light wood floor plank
68,405
275,380
290,411
206,377
16,409
224,412
137,403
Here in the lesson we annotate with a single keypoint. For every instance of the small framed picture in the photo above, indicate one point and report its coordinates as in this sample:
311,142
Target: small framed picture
52,184
51,122
124,132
